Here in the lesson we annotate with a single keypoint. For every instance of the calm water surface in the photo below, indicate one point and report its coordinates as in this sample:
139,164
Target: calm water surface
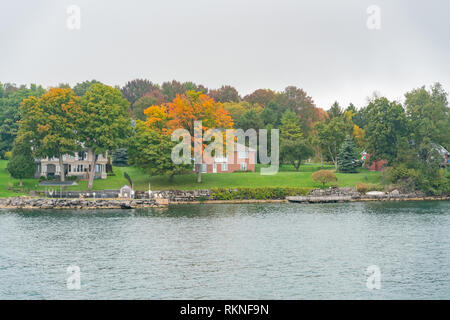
251,251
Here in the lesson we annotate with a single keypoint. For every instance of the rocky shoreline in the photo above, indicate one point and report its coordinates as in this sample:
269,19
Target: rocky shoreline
351,195
45,203
162,198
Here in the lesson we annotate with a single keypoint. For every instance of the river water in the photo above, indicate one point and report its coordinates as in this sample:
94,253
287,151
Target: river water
229,251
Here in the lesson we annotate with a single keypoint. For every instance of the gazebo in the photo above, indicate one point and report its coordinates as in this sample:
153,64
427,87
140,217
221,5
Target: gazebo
126,192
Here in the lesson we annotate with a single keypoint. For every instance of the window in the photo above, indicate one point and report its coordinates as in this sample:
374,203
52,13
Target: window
243,154
204,167
82,155
98,168
244,166
224,166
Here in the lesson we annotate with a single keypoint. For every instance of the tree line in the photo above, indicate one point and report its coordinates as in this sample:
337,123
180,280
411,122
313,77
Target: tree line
141,115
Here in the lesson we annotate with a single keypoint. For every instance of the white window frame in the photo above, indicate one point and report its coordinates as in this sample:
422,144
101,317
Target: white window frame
243,154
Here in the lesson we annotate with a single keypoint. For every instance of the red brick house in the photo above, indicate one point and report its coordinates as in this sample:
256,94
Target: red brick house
239,161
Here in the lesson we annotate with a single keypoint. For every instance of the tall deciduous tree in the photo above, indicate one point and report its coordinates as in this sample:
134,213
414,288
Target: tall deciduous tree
330,136
104,123
135,89
225,94
11,98
429,118
238,109
386,125
183,111
153,97
250,120
81,87
335,110
151,150
260,96
49,122
303,105
294,148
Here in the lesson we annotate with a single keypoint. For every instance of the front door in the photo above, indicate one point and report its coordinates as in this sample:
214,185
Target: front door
214,168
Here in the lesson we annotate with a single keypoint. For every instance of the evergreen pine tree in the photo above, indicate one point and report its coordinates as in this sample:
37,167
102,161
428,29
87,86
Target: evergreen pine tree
120,158
348,156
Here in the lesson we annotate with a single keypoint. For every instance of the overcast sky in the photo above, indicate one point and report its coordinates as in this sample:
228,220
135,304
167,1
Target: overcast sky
324,47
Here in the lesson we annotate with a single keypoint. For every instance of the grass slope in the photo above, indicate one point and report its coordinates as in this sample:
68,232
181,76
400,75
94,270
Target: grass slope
287,177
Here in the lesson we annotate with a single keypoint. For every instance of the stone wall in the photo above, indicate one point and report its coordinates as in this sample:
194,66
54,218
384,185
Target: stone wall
42,203
177,195
162,198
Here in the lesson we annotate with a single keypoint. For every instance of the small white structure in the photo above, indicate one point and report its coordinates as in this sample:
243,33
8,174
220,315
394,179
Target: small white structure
126,192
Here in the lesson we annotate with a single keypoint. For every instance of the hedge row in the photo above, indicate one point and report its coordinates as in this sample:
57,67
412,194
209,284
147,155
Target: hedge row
269,193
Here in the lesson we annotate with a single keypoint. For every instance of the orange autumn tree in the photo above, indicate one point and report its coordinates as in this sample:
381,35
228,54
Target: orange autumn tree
183,111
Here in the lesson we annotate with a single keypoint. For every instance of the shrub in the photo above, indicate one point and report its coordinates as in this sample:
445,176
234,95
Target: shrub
267,193
324,177
394,174
8,155
433,181
426,177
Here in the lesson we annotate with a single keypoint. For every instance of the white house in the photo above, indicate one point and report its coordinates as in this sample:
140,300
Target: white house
78,165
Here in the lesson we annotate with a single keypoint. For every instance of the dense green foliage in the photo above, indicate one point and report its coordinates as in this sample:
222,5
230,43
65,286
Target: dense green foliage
294,148
387,125
11,98
50,122
22,164
152,152
257,193
104,124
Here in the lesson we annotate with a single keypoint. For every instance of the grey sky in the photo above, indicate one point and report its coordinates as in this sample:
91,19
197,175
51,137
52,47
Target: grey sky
321,46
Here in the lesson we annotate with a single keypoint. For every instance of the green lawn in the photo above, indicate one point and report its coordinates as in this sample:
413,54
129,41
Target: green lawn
286,177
